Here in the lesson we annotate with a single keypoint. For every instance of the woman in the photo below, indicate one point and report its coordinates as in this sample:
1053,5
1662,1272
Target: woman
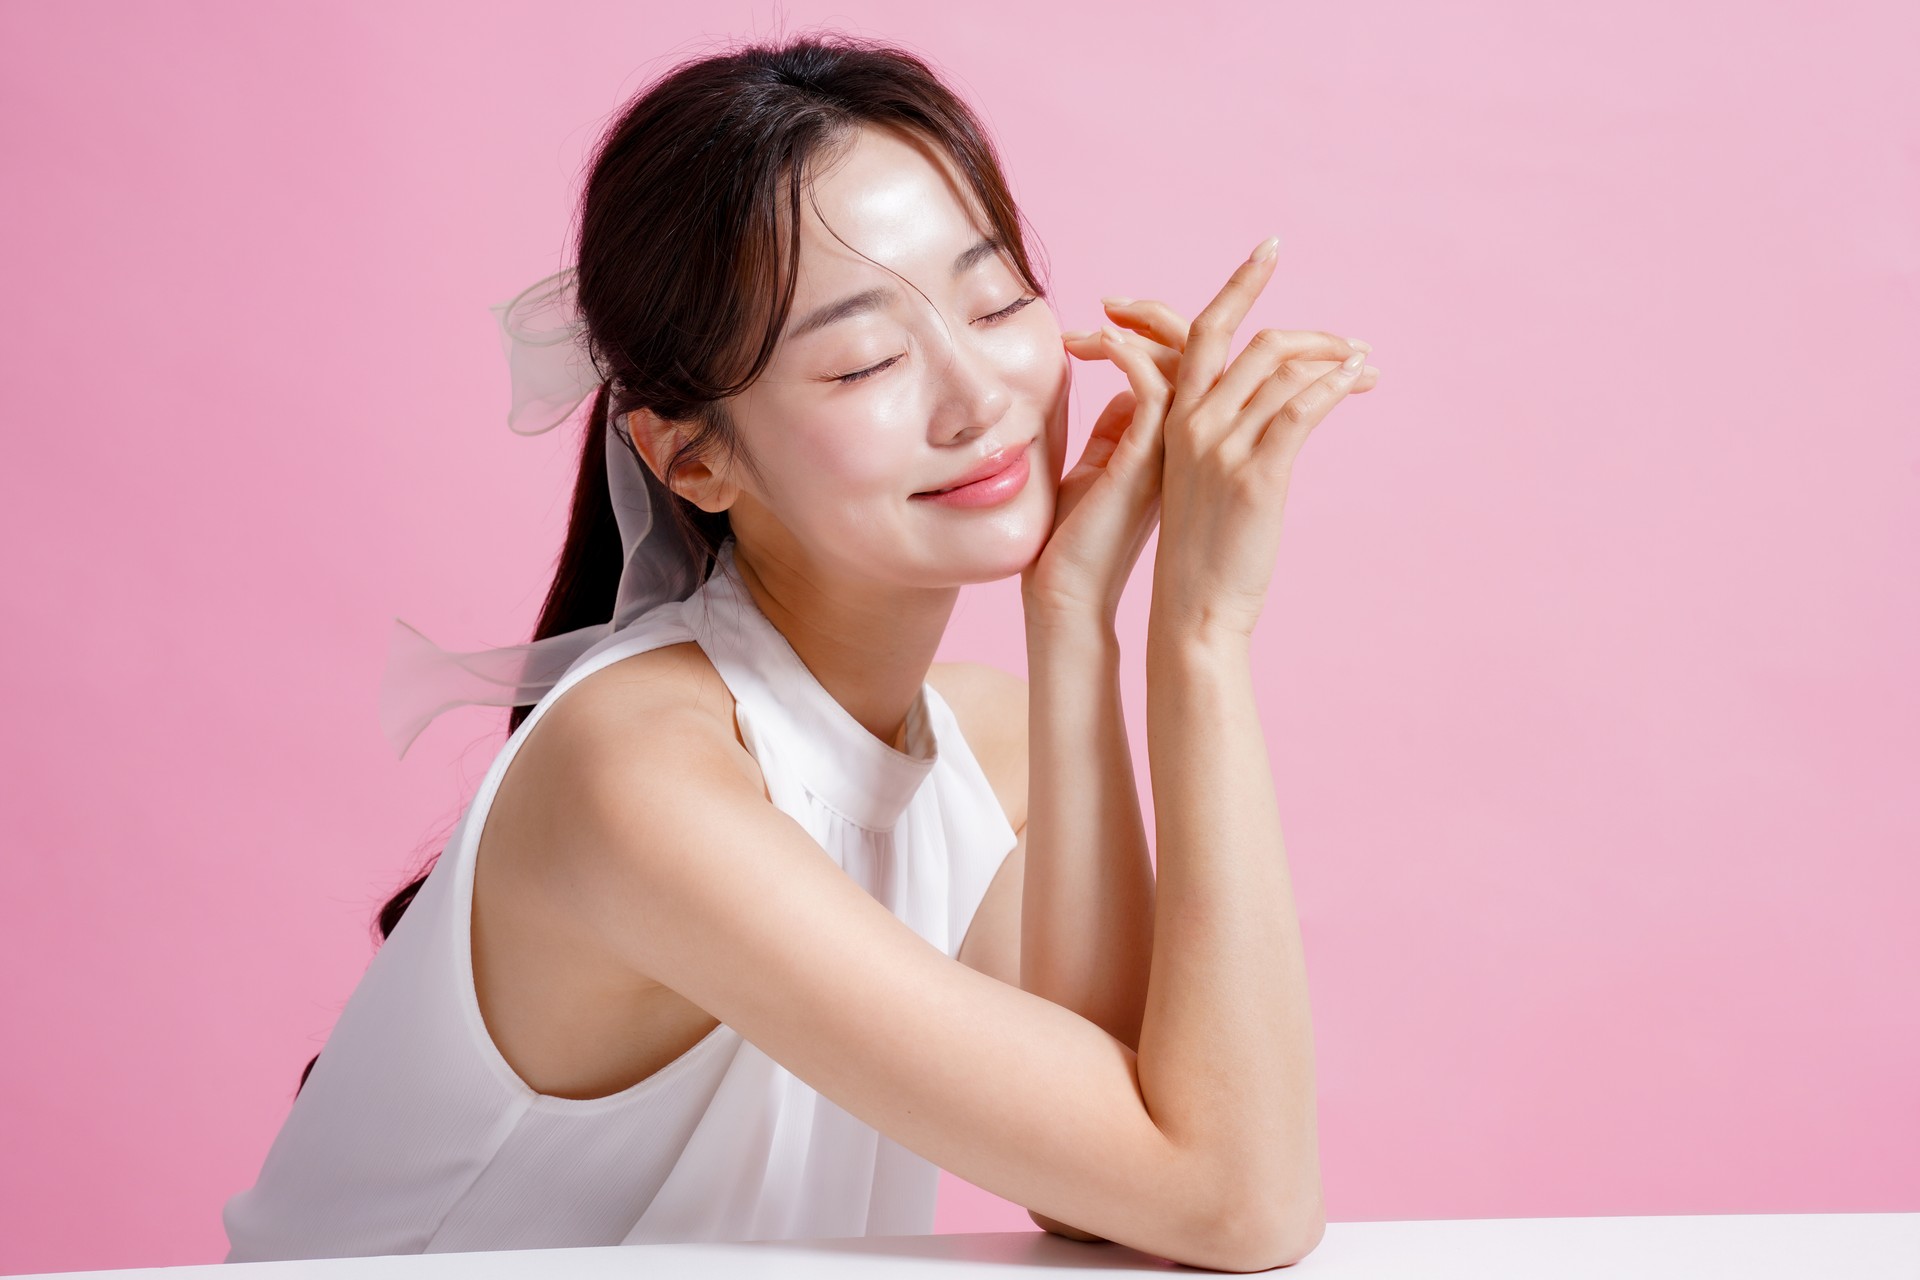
635,1004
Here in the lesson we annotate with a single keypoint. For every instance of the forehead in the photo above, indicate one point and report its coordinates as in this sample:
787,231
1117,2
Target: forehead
890,195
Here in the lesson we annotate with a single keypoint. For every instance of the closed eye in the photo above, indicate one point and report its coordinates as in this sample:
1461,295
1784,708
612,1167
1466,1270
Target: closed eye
1007,310
998,316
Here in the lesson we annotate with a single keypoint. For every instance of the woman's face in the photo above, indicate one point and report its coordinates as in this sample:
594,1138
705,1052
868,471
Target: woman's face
865,407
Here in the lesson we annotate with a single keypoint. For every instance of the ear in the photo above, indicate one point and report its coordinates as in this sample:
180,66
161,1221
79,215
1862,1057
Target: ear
658,439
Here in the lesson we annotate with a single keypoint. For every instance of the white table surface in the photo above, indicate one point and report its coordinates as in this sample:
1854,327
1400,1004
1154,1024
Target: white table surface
1843,1246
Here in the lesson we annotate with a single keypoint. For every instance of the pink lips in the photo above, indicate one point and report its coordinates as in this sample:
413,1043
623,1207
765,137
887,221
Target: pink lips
999,477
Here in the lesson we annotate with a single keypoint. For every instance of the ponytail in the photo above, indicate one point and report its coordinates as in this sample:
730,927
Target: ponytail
584,585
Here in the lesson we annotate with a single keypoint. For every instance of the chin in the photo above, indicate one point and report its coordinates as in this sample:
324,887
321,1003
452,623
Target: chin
1006,549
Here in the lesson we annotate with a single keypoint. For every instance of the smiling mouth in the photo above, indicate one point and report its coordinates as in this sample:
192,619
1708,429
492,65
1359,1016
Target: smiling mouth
988,491
1010,457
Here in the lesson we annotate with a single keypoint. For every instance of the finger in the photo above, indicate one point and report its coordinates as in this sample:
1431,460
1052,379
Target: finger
1151,317
1088,345
1108,429
1161,322
1266,352
1281,423
1307,370
1211,332
1152,392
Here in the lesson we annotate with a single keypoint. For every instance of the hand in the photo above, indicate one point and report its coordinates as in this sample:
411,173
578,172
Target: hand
1085,571
1165,334
1108,504
1229,440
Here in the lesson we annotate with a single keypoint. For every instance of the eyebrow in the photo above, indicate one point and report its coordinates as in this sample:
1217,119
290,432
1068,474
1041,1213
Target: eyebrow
880,295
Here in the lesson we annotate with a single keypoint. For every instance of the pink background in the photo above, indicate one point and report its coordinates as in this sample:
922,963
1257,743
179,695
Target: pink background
1589,670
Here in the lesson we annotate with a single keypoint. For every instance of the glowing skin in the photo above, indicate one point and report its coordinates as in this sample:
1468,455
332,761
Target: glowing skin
859,574
955,375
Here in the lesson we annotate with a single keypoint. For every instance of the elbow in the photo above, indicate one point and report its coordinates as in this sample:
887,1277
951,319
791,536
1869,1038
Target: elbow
1059,1228
1240,1229
1238,1245
1259,1235
1302,1237
1262,1246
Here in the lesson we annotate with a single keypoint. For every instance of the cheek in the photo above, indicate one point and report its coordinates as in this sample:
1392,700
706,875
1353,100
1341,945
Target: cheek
1039,373
1034,361
1042,375
1056,431
838,461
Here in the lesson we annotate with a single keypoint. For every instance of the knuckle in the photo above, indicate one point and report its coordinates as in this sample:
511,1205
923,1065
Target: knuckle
1269,339
1298,410
1203,423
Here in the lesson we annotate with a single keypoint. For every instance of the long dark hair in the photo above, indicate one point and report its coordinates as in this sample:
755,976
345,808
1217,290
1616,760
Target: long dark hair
679,259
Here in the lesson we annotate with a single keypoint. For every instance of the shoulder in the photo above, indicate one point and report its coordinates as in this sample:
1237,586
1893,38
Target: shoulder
624,716
991,706
646,745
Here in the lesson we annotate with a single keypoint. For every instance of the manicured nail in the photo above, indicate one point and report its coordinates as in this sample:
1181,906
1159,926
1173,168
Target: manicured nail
1351,365
1363,346
1117,336
1265,249
1076,335
1117,302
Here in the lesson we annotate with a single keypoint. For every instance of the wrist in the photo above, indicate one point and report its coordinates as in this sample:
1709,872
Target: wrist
1180,639
1050,619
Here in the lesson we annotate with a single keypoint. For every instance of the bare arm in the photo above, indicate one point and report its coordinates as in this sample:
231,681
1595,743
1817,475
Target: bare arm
1086,923
1228,977
658,819
1227,1011
1227,1008
1086,920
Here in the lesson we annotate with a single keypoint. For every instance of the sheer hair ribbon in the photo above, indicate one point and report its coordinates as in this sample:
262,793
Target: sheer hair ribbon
552,373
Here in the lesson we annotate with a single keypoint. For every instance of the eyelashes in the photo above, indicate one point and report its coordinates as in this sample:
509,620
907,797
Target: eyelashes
1004,313
1007,310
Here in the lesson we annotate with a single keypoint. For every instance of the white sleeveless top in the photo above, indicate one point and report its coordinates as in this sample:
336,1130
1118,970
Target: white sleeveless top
413,1135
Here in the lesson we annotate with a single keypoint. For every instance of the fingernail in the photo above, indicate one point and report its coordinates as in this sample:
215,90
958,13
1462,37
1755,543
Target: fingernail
1363,346
1113,333
1075,335
1264,249
1352,363
1117,302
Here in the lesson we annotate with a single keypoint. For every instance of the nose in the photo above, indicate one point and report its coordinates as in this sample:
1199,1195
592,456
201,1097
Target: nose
970,396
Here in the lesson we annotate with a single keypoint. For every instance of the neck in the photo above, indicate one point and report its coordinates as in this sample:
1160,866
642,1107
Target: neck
869,644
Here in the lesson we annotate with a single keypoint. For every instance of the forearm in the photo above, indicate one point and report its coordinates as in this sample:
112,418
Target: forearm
1086,929
1226,1047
